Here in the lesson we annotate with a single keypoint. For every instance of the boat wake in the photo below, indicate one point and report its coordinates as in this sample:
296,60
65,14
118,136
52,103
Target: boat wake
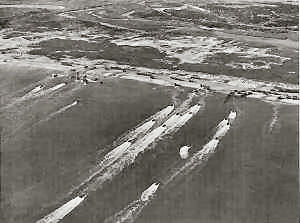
274,120
41,91
185,104
34,93
50,90
147,124
25,126
36,89
61,110
201,156
130,213
61,212
125,154
113,168
117,152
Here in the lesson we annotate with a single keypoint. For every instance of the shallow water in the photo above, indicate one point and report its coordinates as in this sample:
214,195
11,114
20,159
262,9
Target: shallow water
238,184
52,156
251,178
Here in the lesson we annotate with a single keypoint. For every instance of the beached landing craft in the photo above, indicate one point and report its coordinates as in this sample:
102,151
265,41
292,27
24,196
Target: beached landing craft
56,87
94,80
55,75
149,192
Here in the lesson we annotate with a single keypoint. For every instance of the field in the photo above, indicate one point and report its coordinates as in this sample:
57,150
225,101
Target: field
97,98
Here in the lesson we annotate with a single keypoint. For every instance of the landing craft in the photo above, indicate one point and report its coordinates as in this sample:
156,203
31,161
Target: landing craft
75,102
210,146
222,131
90,80
58,86
85,82
184,152
83,194
149,192
195,108
37,89
54,75
223,123
173,105
232,116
